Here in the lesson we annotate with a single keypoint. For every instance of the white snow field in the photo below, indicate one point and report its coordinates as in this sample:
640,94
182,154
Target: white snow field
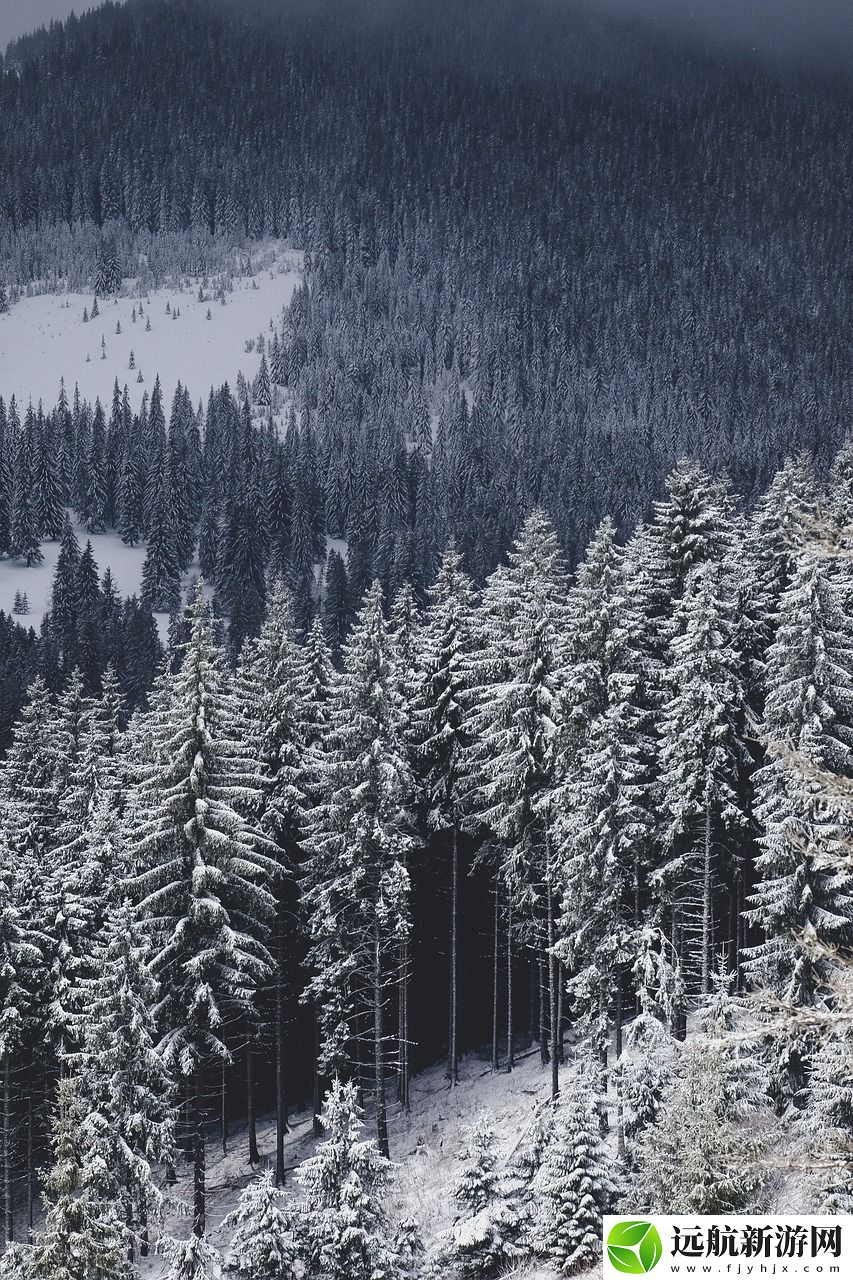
44,338
426,1147
110,552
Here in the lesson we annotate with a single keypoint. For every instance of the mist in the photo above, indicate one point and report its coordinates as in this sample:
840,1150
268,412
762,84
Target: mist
813,33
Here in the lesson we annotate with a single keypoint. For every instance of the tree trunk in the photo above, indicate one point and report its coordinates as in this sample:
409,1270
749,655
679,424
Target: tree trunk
620,1116
7,1153
378,1058
495,1053
560,1029
223,1113
552,996
318,1098
510,1058
452,1050
403,1029
251,1115
280,1102
199,1155
543,1034
532,1021
706,906
30,1196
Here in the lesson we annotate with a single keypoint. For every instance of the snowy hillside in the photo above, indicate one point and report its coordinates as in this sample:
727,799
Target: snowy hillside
427,1147
200,343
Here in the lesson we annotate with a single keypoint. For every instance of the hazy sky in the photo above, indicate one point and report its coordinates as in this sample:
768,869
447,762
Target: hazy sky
809,29
17,17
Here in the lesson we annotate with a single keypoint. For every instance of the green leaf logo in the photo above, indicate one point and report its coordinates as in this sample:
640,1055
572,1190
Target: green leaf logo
634,1247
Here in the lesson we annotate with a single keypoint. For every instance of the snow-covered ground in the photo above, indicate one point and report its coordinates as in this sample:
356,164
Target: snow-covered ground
426,1147
36,582
44,338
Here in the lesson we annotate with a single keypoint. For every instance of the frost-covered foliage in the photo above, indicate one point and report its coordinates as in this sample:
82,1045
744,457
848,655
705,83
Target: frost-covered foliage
264,1244
193,1259
345,1231
575,1186
83,1237
698,1156
486,1238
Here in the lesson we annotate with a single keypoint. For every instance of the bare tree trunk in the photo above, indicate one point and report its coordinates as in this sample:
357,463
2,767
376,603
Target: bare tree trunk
740,932
543,1035
378,1057
199,1156
560,1028
552,996
251,1113
30,1196
452,1049
403,1029
532,1021
318,1100
510,1057
7,1152
280,1102
495,1053
707,942
223,1113
620,1116
143,1233
604,1119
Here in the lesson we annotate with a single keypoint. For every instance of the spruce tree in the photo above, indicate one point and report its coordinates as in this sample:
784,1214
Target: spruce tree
512,768
357,888
82,1237
124,1081
573,1189
346,1232
204,870
441,737
264,1245
702,753
699,1156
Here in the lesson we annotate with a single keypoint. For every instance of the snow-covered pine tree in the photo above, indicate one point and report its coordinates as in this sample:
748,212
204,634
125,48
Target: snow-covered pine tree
808,717
82,1237
124,1083
204,871
193,1259
264,1244
356,888
772,544
601,831
702,753
512,766
28,790
829,1120
575,1186
439,729
161,574
346,1234
699,1156
486,1238
22,960
271,689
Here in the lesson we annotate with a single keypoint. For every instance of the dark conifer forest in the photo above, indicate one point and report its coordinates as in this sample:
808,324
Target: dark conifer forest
505,704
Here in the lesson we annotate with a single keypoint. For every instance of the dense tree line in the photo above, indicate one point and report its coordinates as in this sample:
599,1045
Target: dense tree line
451,174
616,760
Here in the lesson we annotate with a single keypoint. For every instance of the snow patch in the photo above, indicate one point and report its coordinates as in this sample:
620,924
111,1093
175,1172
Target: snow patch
44,338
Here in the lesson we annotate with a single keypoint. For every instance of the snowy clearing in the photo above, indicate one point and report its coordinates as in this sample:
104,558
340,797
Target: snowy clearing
44,338
125,563
426,1147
